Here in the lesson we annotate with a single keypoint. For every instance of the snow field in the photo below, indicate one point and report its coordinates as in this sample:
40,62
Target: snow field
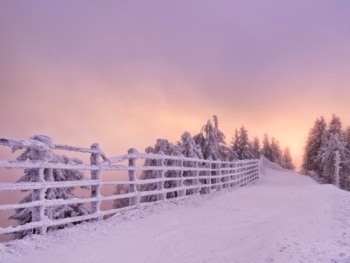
283,217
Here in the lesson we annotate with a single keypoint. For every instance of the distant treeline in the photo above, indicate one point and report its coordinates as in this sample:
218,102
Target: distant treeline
327,153
209,143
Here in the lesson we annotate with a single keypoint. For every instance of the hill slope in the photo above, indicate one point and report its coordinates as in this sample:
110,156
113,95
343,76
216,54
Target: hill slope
283,217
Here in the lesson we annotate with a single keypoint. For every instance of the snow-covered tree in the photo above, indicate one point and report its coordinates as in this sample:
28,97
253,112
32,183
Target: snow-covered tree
335,155
234,142
287,160
347,137
188,148
266,148
167,148
241,144
162,146
276,153
335,127
316,138
332,147
255,148
212,141
24,215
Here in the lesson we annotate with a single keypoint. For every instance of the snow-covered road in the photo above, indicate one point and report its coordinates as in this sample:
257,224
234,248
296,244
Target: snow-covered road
283,217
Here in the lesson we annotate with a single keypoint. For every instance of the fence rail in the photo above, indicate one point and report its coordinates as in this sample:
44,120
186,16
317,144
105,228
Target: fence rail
202,176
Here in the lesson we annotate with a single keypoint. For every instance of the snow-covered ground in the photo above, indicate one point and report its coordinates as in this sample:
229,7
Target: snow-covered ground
283,217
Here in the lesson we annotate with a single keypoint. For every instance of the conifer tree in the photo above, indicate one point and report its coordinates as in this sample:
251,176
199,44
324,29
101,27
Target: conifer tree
276,153
212,141
347,137
256,148
334,153
188,148
234,143
312,162
335,127
266,148
332,147
24,215
287,160
243,149
162,146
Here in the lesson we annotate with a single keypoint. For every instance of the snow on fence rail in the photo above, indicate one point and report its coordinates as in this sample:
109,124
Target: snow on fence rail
202,176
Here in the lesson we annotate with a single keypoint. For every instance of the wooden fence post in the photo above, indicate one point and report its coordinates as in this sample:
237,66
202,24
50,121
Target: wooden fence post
230,178
134,200
45,155
95,175
196,181
160,175
218,173
208,166
38,212
180,183
225,173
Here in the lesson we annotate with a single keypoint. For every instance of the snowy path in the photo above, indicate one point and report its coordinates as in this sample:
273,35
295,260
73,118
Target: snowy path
283,217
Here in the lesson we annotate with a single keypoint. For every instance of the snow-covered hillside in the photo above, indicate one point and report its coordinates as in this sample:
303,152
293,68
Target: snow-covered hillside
283,217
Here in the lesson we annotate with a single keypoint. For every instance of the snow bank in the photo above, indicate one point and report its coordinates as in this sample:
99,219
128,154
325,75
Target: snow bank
267,163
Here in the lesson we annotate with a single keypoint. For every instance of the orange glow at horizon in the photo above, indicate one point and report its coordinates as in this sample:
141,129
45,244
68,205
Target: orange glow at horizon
137,116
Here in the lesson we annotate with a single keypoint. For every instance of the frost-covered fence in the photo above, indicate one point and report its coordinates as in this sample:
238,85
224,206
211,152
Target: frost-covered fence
193,176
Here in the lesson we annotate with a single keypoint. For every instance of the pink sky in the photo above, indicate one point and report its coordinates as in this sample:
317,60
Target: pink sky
124,73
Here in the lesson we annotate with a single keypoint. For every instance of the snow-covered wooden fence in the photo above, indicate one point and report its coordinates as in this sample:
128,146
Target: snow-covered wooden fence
202,176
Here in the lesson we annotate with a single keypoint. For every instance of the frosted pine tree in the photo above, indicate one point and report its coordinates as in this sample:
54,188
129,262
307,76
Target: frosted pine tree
167,148
334,155
235,142
312,163
276,153
346,164
243,145
331,148
188,148
147,174
255,148
335,127
347,137
212,141
162,146
211,146
266,148
24,215
287,160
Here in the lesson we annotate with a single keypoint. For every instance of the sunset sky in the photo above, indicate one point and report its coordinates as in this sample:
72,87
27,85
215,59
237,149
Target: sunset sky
124,73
